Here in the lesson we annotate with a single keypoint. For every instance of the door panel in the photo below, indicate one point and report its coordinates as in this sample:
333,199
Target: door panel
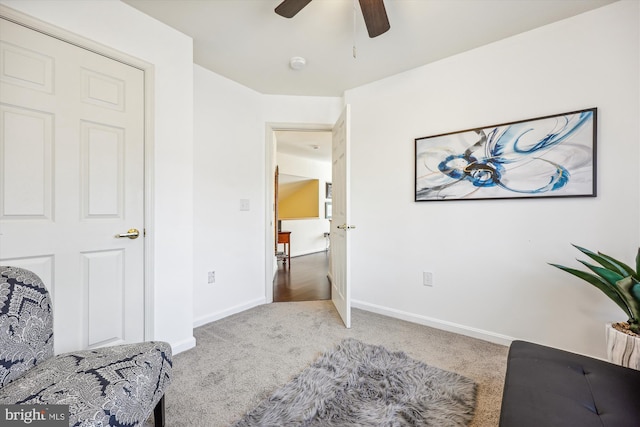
103,279
26,68
71,179
340,273
103,180
27,141
102,90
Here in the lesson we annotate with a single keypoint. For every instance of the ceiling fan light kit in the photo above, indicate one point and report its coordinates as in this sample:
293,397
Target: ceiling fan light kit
373,11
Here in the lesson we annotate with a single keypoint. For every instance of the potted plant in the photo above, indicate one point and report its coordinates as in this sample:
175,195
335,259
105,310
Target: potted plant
621,284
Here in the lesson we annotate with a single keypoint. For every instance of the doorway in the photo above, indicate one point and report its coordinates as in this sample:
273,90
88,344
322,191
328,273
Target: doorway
339,265
302,210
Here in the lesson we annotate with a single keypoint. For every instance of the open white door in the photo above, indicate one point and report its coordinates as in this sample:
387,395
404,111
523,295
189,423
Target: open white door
340,273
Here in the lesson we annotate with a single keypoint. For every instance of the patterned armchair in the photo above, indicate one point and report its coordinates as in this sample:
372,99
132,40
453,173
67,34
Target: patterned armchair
112,386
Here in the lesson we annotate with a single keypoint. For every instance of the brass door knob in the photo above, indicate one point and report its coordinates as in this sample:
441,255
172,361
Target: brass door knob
132,234
346,227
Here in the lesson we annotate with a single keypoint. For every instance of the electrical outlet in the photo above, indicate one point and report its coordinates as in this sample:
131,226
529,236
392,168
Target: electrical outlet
427,278
212,277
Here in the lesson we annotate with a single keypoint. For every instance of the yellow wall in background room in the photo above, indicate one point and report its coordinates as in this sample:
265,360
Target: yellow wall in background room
299,199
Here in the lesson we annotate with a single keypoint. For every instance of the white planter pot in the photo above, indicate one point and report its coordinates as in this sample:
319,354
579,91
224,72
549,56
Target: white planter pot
622,349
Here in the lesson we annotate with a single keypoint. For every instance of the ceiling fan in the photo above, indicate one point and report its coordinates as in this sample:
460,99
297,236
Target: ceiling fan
375,15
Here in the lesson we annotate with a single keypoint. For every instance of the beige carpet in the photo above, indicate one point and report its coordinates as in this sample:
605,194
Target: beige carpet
241,359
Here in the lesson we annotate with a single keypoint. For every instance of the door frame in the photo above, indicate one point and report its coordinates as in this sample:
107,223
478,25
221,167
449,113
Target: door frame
148,69
270,166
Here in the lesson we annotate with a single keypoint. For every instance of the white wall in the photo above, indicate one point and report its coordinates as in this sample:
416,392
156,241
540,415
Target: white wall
307,235
228,166
231,146
118,26
301,110
489,258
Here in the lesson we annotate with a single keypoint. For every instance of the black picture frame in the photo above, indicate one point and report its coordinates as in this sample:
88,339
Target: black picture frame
327,210
549,156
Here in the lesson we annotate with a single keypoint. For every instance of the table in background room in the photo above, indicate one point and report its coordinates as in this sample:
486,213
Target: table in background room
284,237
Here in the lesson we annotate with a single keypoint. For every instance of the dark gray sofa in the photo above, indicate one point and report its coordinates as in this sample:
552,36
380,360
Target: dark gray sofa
545,386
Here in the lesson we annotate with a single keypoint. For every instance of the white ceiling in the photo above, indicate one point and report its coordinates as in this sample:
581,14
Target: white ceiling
304,143
246,41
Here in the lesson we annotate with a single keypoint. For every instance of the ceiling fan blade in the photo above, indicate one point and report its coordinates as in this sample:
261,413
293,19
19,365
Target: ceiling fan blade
375,17
289,8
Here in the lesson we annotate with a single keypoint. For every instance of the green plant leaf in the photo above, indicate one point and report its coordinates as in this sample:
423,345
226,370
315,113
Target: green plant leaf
615,279
627,288
606,287
596,257
611,277
621,267
624,296
608,262
635,291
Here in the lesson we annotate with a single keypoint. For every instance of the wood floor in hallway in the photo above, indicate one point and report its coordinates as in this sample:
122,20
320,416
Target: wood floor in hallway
304,280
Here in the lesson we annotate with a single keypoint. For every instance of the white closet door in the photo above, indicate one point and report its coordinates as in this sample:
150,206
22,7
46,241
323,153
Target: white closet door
71,178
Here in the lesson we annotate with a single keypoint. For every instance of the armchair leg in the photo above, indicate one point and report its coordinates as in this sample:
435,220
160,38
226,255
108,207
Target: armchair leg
158,413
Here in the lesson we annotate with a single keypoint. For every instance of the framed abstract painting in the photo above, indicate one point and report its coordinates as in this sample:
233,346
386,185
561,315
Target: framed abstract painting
551,156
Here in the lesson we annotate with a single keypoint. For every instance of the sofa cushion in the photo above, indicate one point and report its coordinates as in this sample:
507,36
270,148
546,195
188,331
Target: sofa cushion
26,323
112,386
545,386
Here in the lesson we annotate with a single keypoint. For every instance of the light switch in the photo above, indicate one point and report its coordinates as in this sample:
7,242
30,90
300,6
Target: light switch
244,204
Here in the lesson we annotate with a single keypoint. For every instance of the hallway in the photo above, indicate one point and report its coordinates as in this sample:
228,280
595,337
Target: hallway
304,280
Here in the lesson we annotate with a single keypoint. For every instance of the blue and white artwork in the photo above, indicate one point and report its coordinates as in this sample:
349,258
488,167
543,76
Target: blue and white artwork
543,157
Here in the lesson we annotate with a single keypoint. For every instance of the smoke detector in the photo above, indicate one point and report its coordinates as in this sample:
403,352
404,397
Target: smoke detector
297,63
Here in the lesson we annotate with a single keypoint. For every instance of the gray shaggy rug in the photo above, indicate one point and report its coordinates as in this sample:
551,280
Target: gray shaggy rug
358,384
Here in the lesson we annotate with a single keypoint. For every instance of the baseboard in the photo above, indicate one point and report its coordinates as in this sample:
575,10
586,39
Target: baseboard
318,251
434,323
183,345
228,312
